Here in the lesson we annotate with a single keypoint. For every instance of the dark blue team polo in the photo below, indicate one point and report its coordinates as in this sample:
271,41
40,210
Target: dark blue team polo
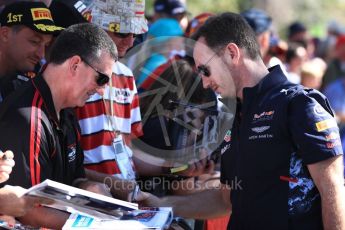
279,130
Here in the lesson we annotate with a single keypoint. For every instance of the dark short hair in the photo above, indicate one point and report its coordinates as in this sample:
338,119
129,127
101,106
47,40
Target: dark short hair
225,28
85,40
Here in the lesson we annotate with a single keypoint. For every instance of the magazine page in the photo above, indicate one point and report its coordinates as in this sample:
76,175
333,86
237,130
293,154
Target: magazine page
151,218
72,199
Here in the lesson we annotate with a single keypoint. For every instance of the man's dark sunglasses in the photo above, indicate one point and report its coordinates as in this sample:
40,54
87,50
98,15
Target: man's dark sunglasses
102,78
204,69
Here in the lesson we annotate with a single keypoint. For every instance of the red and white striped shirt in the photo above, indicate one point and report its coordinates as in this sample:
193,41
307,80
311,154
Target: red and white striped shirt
97,132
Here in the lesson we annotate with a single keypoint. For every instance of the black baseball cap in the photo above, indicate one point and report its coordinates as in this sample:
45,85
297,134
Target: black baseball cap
296,28
170,7
258,20
68,12
34,15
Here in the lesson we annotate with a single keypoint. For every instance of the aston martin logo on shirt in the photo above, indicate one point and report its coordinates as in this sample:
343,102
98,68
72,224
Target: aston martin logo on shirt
260,129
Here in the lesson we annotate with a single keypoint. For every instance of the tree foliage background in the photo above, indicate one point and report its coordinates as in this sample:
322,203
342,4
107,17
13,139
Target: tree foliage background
316,14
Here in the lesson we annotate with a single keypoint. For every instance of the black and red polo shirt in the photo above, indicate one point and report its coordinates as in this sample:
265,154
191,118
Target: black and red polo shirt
44,146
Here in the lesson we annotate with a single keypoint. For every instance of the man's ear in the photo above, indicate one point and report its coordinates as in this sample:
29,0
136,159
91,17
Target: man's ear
233,52
74,63
5,33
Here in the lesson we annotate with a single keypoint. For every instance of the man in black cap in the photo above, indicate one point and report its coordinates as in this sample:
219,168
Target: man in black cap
297,32
261,24
171,9
26,30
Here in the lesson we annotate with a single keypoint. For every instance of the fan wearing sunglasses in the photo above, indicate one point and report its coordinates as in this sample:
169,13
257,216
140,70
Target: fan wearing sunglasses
123,41
101,78
124,23
40,127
